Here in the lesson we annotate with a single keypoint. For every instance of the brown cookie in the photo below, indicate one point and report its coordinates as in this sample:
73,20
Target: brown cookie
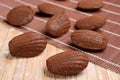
50,9
58,25
88,39
92,22
90,4
67,63
27,45
20,15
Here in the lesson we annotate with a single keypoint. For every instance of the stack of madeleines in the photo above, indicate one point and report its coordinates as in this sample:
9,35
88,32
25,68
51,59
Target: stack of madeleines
31,44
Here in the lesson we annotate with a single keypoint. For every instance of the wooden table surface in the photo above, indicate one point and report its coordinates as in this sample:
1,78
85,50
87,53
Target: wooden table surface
35,68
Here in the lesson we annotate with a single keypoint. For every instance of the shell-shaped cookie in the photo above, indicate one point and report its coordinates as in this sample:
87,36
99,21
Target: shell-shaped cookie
89,39
20,15
50,9
29,44
90,4
58,25
91,22
67,63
